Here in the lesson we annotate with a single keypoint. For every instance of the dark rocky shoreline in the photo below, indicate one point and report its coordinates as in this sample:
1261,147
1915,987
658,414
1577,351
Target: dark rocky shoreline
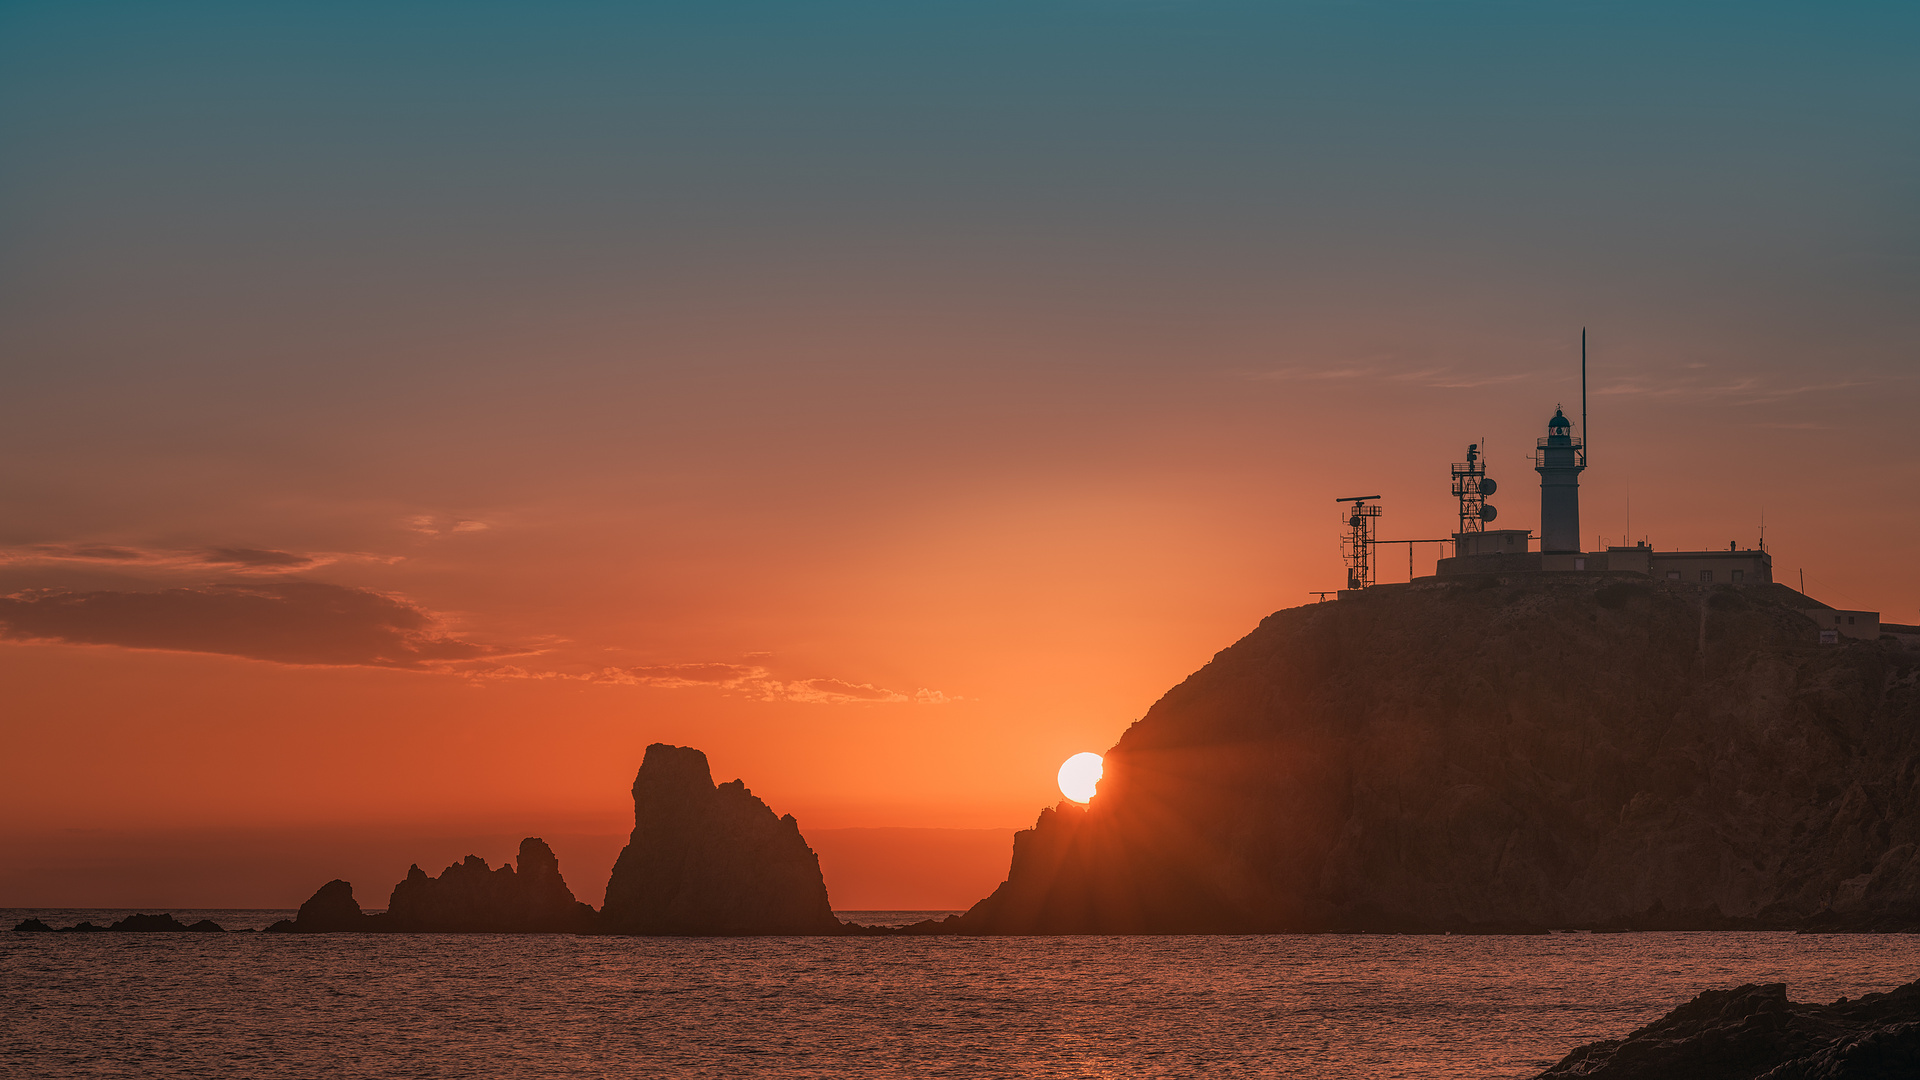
1753,1031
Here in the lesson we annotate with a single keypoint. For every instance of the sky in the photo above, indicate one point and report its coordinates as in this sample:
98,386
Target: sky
411,411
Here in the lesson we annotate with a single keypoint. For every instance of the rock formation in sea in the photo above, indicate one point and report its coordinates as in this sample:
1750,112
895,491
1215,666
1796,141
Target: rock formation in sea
468,897
1547,751
330,910
707,860
132,924
1754,1031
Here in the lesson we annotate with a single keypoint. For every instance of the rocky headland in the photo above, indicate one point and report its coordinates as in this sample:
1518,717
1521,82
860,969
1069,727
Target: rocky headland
708,859
1501,754
1754,1031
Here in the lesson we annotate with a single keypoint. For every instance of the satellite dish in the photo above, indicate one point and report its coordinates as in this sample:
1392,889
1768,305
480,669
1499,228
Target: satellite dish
1488,513
1488,487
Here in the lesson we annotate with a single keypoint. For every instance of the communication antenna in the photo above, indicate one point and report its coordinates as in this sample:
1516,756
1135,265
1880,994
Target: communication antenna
1357,545
1586,444
1472,485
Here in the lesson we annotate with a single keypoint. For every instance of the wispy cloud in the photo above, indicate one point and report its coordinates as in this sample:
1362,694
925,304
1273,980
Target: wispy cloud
224,559
431,525
1744,390
256,609
285,622
1432,378
753,681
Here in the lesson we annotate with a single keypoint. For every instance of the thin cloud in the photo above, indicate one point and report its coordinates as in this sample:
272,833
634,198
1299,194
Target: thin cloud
429,525
294,622
1746,390
1431,378
840,692
753,681
225,559
259,557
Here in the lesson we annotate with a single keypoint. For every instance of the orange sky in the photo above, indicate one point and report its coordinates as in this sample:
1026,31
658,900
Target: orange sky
401,472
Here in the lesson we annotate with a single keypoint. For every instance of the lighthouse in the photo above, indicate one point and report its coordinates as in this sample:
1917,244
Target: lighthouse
1559,459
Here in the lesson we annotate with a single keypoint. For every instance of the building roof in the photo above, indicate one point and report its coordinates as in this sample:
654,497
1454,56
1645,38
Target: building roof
1790,596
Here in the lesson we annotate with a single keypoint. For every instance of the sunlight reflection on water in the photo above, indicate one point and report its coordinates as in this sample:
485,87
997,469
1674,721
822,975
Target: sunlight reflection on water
178,1005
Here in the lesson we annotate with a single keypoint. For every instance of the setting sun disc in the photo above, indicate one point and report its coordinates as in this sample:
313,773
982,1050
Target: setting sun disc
1080,775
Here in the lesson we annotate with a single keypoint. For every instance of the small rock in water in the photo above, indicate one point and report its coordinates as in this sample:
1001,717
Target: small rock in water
33,926
331,909
148,924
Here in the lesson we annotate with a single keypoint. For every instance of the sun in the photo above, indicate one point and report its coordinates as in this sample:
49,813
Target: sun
1079,776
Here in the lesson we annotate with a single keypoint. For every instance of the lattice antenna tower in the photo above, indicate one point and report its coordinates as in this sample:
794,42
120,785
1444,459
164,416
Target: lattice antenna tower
1472,485
1356,544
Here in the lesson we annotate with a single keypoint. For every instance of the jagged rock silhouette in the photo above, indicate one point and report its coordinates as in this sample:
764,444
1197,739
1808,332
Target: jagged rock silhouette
468,897
711,860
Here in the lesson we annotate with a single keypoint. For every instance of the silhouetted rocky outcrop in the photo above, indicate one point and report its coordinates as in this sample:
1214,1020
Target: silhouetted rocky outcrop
1548,751
162,924
711,860
132,924
331,910
1754,1031
468,897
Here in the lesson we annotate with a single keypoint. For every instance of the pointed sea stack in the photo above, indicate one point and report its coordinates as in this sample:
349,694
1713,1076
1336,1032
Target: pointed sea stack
707,860
470,898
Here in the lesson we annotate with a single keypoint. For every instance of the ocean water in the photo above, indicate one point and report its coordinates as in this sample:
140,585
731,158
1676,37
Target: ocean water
254,1005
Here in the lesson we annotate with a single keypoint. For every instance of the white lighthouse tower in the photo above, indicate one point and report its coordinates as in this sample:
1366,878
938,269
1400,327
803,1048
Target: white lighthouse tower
1559,459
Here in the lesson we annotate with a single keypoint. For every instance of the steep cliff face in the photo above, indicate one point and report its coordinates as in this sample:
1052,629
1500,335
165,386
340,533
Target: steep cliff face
1545,752
468,897
711,860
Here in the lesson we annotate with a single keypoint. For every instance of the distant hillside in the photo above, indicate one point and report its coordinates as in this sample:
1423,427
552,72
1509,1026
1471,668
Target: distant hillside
1529,752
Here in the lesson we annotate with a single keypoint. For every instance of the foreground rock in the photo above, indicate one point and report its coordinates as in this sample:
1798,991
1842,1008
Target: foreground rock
467,897
707,860
1754,1031
1564,751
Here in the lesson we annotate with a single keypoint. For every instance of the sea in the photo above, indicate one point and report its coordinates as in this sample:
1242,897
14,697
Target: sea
536,1006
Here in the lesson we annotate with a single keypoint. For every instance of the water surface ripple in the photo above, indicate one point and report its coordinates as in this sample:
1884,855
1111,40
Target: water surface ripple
204,1005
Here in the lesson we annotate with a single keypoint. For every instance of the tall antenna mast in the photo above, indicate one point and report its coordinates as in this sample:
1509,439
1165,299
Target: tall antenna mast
1586,444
